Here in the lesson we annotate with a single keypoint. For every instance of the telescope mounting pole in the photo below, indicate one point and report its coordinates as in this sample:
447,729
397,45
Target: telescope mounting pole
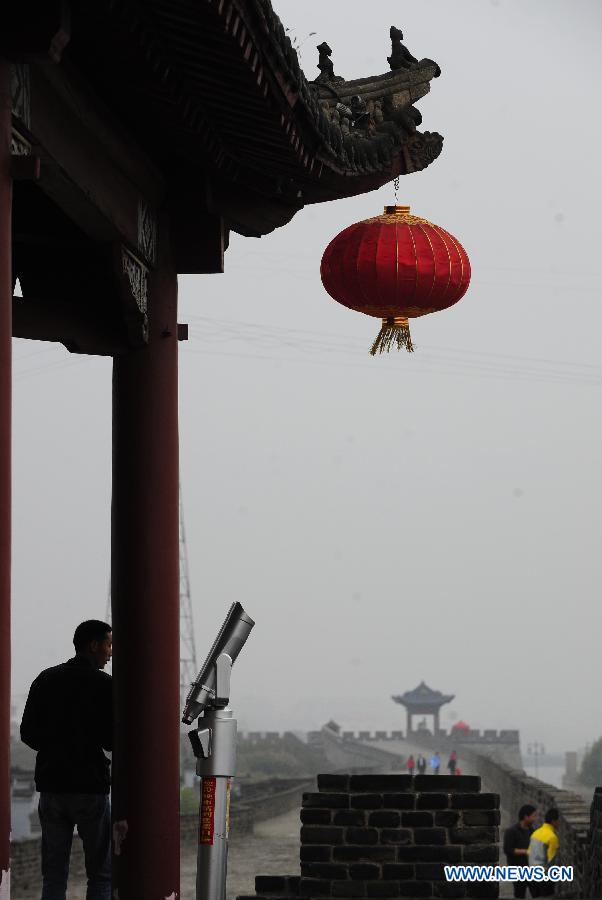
214,745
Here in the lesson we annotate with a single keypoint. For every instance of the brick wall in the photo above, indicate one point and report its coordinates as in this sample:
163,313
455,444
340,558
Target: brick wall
515,788
592,876
25,872
390,836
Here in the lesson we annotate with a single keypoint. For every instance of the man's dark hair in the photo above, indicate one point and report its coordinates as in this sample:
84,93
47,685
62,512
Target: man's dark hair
552,815
88,631
524,811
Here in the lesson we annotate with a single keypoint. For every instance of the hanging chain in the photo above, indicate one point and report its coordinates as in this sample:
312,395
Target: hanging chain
396,186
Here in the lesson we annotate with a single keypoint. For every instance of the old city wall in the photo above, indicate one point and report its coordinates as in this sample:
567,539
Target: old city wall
581,827
503,745
25,857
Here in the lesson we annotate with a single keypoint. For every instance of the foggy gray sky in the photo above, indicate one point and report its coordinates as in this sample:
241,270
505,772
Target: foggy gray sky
435,516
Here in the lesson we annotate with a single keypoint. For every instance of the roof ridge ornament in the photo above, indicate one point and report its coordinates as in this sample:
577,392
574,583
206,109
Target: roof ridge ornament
401,58
326,66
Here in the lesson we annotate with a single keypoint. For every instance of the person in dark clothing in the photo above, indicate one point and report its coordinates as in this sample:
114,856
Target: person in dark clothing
68,719
516,845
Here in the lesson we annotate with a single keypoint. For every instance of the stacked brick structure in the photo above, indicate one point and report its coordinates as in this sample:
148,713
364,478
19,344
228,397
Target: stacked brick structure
592,877
390,836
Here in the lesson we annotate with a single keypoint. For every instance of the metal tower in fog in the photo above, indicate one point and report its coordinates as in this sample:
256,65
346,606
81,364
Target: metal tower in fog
188,663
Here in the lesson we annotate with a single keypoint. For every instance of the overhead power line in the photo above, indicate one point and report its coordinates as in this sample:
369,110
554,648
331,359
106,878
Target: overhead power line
273,343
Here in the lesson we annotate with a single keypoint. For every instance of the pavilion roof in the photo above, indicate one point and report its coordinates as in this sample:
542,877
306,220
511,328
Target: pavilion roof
423,698
213,92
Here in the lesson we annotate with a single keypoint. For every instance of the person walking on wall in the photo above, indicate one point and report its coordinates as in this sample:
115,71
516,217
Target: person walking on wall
452,763
411,764
543,849
435,762
421,764
516,845
68,720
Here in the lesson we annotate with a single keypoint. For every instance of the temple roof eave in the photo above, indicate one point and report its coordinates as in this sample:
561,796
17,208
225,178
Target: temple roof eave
225,96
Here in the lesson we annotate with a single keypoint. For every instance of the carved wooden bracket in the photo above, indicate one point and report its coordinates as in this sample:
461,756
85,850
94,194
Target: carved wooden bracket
147,232
20,92
19,146
136,274
133,278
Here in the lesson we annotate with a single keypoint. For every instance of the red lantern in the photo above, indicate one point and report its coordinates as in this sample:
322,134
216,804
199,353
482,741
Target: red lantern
396,267
461,726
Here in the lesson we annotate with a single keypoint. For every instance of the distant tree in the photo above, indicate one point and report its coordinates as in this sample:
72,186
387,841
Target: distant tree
591,767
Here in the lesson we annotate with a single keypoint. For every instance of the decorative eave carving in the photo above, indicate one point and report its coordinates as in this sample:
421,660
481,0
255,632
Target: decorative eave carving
370,117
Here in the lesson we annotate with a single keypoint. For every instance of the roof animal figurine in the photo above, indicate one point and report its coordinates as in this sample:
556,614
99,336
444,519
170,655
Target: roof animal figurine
326,65
400,58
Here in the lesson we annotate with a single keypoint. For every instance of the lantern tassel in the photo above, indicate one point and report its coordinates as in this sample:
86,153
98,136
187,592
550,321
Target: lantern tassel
394,330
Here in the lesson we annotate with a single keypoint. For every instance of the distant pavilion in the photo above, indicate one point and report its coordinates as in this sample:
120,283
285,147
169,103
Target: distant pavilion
423,700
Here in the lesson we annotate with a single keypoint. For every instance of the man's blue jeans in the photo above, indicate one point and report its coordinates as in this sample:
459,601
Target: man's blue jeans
59,814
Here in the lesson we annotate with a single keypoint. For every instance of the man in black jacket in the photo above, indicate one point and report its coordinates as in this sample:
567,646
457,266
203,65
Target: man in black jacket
68,719
516,845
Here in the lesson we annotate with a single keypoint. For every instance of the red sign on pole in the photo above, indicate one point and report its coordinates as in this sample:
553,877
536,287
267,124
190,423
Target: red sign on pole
207,811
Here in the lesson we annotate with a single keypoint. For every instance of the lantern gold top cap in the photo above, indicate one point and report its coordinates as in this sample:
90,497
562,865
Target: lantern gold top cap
396,210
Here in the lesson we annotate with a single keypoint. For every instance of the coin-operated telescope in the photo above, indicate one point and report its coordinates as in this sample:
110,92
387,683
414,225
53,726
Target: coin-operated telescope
214,745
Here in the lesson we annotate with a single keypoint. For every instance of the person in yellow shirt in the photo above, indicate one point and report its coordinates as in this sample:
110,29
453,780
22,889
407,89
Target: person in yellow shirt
543,849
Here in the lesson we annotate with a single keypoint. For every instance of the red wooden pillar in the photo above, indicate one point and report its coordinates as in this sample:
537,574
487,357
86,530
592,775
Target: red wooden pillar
145,598
5,474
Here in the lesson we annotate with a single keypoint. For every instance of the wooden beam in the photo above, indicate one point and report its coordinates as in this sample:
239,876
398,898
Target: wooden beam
25,168
199,240
90,167
65,323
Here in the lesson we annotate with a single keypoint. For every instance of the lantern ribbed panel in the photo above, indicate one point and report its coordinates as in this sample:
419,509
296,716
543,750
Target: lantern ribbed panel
395,265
